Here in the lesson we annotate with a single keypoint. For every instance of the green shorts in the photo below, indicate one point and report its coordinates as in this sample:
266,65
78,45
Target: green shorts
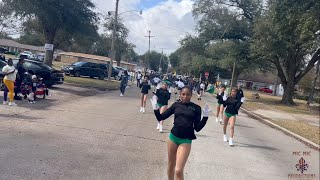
178,140
219,104
229,115
160,105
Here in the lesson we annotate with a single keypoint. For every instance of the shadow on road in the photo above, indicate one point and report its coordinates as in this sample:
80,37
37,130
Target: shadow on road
256,146
19,116
243,126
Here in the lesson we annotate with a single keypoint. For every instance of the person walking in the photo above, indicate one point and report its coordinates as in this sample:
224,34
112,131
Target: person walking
200,90
239,94
10,76
232,105
220,107
124,82
20,78
187,119
163,96
139,77
145,87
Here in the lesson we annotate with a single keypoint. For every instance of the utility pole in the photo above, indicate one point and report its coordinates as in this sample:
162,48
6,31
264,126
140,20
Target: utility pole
149,36
113,51
160,67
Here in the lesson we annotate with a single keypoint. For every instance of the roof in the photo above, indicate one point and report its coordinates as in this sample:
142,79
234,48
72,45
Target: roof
91,56
12,43
258,77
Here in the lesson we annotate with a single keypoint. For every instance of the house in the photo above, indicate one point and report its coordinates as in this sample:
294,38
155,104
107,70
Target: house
255,81
72,57
13,46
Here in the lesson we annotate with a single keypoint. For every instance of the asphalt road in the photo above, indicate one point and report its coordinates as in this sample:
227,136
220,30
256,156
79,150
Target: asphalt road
86,134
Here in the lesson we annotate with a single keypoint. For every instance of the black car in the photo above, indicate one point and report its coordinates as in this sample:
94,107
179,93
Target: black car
50,76
87,69
2,64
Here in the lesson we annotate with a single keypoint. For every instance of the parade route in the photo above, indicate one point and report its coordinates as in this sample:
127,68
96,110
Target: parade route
99,135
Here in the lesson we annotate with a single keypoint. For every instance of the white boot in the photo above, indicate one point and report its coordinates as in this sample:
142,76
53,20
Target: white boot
230,142
217,119
225,139
158,126
160,130
141,109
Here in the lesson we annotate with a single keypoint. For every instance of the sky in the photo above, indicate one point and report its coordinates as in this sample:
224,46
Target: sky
168,20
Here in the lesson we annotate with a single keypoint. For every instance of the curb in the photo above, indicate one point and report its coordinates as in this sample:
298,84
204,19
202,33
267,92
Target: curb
282,129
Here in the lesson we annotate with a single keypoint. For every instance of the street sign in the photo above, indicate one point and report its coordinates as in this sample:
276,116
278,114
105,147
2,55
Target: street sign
206,74
48,47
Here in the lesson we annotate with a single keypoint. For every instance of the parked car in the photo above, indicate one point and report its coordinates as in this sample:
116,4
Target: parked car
3,50
89,69
266,90
50,75
2,64
115,72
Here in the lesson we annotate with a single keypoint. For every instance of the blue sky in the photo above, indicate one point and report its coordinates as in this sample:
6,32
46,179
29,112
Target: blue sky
146,4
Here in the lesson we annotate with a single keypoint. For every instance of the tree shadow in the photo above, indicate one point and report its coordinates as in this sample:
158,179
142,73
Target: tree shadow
256,146
19,116
243,126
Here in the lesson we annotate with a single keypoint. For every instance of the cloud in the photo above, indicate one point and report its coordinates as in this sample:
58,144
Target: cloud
168,21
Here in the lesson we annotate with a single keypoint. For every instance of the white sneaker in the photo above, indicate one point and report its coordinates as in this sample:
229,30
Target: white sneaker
12,104
5,102
217,119
143,110
158,126
225,139
230,142
121,94
220,120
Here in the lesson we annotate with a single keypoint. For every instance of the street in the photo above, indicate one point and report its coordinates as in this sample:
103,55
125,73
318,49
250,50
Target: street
80,133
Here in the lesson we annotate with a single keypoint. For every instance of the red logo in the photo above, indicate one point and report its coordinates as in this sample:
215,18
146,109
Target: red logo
302,166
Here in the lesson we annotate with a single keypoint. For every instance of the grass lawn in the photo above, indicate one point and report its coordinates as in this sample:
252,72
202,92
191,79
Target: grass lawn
301,128
95,83
266,101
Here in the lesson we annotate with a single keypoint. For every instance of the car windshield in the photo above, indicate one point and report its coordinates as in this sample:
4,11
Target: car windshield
45,66
78,63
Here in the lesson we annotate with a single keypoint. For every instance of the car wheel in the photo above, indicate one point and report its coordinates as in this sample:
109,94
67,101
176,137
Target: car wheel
91,77
102,76
77,74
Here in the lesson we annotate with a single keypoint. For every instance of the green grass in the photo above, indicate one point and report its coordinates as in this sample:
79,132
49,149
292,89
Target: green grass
94,83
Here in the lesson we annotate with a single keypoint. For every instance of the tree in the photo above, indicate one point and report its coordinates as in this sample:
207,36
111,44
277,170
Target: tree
154,61
121,44
287,37
228,23
53,15
8,25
